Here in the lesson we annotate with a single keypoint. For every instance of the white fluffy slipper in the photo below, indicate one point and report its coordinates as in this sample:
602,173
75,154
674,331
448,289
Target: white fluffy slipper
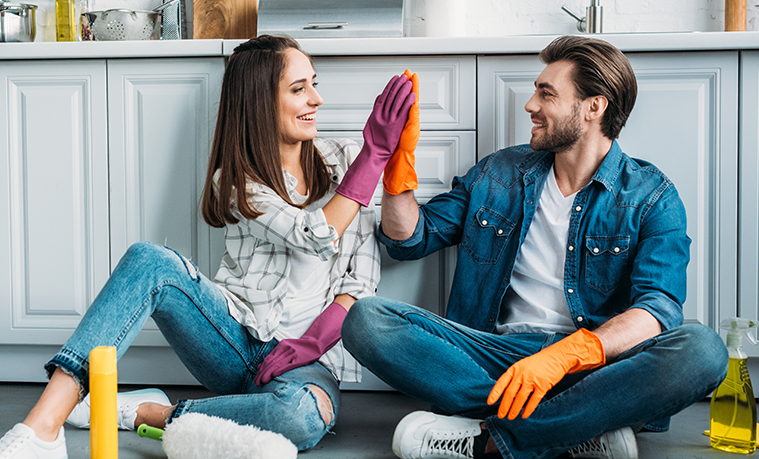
198,436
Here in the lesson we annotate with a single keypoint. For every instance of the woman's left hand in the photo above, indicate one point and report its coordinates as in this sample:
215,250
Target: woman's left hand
289,354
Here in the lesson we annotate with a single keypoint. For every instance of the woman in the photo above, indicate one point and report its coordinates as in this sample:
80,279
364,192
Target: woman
300,249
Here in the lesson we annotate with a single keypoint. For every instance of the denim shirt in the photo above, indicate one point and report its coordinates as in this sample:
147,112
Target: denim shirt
627,245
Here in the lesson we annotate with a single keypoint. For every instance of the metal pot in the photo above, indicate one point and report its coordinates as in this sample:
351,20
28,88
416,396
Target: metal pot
17,22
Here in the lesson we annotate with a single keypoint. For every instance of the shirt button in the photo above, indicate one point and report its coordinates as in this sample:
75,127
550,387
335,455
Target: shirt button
616,249
571,248
580,319
571,290
484,222
334,177
596,250
500,231
578,208
529,202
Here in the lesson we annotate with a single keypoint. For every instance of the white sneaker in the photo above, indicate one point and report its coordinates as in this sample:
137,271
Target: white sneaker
422,434
126,407
22,443
614,444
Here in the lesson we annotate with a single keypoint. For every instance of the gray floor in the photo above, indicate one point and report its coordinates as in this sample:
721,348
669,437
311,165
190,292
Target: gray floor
364,428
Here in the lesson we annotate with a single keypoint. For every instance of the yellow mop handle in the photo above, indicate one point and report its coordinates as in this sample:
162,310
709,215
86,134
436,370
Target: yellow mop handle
104,440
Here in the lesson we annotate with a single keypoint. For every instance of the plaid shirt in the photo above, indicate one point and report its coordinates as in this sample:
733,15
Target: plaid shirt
254,271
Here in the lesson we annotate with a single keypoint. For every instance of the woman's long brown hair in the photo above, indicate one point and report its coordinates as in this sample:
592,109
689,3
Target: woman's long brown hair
246,143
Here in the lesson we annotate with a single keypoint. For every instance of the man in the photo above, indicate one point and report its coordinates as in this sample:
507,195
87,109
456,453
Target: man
564,326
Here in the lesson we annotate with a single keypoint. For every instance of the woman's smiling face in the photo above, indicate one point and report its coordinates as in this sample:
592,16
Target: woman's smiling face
298,100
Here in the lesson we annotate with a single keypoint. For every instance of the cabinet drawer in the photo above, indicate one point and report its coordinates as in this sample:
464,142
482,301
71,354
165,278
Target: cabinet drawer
350,85
439,157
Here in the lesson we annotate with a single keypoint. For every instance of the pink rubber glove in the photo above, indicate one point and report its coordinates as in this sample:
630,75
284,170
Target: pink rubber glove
381,134
320,337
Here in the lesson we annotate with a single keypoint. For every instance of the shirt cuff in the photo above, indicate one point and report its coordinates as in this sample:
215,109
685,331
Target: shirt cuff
412,241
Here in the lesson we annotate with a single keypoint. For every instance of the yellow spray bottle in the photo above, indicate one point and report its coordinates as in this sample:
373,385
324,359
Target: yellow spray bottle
733,408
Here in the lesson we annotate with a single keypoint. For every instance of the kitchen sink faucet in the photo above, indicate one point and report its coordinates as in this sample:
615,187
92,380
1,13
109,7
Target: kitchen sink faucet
593,20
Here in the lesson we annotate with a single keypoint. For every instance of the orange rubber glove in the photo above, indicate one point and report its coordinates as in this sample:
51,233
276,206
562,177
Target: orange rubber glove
538,373
399,171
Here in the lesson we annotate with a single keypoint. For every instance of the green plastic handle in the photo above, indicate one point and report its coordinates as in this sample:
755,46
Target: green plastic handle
150,432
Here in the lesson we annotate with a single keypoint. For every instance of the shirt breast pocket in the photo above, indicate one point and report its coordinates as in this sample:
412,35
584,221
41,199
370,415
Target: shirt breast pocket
606,261
487,236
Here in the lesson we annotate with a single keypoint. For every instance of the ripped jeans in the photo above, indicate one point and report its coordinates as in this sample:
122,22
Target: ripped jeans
191,312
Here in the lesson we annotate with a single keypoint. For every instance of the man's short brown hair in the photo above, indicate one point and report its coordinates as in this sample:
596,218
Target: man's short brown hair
600,69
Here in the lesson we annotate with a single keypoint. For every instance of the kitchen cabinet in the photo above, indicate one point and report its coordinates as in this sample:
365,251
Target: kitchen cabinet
97,155
685,122
100,152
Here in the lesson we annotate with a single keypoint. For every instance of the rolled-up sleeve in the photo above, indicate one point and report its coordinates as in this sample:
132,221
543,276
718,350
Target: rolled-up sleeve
659,273
358,266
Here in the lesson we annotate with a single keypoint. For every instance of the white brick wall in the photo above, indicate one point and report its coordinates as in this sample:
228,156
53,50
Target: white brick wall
516,17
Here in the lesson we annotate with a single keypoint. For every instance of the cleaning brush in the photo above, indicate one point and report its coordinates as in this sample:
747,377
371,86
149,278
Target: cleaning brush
199,436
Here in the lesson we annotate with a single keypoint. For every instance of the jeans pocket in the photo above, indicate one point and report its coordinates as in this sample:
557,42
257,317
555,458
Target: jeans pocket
487,236
605,261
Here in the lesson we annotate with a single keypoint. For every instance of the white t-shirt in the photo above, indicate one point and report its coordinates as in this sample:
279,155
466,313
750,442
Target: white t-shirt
535,301
308,285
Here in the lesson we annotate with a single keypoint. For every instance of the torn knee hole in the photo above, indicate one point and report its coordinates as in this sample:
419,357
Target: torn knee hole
323,402
192,270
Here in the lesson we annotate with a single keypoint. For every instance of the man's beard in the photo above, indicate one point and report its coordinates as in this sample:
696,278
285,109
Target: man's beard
565,135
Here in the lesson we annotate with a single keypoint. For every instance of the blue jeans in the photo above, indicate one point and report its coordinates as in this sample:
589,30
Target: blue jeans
191,312
454,368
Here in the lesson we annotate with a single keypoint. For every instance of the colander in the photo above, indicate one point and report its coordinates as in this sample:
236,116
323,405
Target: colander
121,24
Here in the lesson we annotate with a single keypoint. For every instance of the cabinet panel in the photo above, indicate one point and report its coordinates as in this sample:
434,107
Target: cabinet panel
161,121
54,197
504,85
748,283
349,87
684,122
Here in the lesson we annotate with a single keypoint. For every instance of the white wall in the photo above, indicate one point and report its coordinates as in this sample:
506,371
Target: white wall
485,18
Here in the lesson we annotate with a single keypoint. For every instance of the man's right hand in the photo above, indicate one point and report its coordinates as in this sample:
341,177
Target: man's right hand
400,174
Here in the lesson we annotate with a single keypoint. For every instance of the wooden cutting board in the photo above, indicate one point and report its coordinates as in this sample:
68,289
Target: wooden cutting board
735,15
224,18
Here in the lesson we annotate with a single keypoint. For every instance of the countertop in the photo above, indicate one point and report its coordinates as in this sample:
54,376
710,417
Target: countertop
514,44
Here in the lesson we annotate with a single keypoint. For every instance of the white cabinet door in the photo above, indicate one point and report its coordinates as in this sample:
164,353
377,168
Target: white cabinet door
349,86
748,283
54,252
684,121
161,117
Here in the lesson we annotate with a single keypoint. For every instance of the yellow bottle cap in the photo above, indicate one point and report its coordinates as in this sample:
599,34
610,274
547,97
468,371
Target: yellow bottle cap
103,360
